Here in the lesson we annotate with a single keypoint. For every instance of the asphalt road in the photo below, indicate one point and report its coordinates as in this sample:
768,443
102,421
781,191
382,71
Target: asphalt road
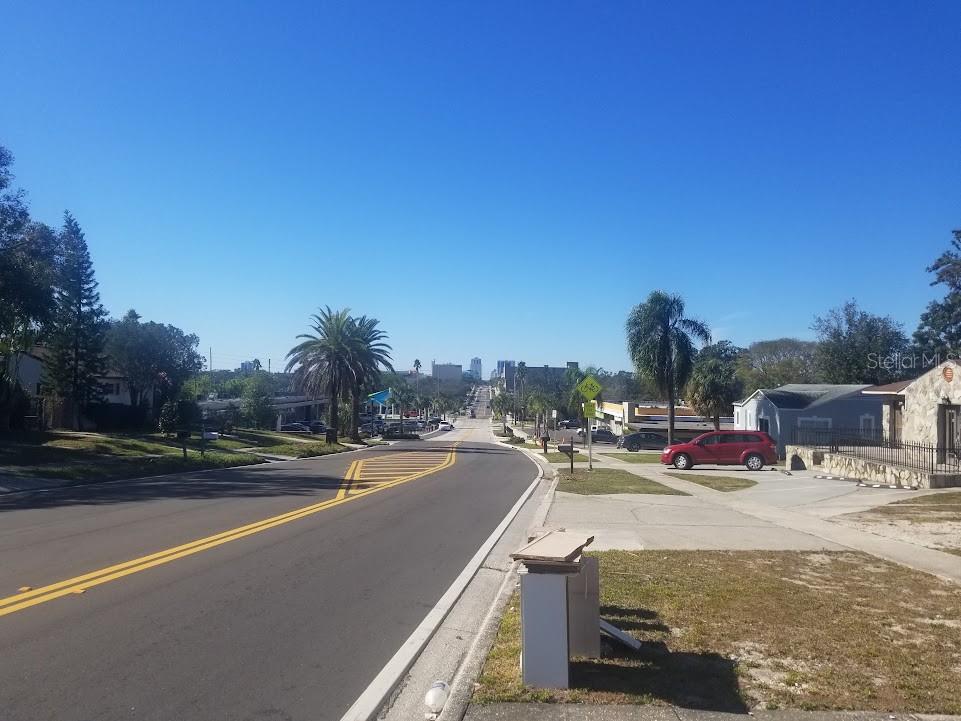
163,600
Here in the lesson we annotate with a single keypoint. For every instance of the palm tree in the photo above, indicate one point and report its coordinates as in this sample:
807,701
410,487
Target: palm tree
369,353
417,367
501,404
660,343
714,385
322,360
402,396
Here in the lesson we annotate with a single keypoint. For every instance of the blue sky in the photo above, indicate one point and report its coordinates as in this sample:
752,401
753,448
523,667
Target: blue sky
494,179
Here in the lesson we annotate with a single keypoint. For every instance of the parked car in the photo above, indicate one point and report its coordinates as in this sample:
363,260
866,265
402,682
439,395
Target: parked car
600,435
445,426
753,449
316,426
294,428
642,439
569,423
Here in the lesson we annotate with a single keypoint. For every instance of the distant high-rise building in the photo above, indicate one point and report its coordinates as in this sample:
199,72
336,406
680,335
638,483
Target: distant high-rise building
446,371
475,368
505,370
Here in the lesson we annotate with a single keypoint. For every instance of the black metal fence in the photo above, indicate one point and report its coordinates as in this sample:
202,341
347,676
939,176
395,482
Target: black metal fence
875,445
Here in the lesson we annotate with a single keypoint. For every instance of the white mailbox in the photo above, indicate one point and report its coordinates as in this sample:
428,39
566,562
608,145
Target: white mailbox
559,607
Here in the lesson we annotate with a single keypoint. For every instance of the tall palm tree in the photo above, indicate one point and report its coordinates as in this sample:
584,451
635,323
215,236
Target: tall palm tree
322,360
417,367
660,341
369,354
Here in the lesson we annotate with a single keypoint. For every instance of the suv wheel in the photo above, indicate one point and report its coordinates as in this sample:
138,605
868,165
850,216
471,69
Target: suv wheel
754,462
682,461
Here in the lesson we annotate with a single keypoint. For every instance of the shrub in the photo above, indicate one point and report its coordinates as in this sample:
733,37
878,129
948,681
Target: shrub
168,417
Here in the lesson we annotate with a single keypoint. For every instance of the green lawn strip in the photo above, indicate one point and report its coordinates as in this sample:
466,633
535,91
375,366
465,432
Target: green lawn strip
718,483
251,437
302,450
610,480
558,457
635,457
734,631
101,456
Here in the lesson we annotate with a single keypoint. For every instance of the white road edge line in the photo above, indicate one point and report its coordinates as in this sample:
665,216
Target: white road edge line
370,701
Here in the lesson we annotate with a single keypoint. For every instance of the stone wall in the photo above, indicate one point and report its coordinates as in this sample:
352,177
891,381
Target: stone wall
799,458
863,469
837,464
921,401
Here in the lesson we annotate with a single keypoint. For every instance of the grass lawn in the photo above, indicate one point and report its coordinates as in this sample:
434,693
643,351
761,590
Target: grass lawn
635,457
302,450
925,509
101,456
732,631
610,480
932,520
718,483
558,457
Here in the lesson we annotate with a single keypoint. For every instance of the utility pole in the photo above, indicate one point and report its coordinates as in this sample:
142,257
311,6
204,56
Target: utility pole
211,356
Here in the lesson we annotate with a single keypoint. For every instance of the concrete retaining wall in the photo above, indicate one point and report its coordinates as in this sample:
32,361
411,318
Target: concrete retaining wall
838,464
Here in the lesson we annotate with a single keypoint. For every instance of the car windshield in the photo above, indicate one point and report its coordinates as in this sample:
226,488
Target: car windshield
686,443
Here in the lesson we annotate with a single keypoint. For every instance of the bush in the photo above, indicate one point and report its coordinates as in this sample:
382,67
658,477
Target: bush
168,417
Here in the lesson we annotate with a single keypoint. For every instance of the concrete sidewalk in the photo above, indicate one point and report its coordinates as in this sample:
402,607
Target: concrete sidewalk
782,512
582,712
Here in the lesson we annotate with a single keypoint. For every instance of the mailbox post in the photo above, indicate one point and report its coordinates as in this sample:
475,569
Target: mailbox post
568,448
549,619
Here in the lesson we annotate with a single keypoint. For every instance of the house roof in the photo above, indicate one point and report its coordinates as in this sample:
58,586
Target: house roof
887,388
796,396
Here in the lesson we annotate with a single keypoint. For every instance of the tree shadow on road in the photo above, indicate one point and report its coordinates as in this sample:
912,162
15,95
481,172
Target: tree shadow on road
316,477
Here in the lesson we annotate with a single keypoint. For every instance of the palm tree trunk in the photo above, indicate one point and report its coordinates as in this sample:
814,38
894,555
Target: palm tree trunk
354,412
332,427
670,412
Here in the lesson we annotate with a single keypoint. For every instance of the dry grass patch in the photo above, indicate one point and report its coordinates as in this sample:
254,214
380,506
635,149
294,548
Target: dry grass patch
731,631
932,520
718,483
610,480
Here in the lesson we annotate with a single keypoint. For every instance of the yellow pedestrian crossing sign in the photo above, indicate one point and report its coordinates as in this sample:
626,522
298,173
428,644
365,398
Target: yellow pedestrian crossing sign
589,387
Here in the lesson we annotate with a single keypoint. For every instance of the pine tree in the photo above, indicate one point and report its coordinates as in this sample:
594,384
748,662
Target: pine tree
79,329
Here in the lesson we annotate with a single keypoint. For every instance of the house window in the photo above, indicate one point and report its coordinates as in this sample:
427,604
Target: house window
814,422
866,422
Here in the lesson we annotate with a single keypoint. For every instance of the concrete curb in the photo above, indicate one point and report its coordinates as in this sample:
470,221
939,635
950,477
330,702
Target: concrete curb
372,700
473,662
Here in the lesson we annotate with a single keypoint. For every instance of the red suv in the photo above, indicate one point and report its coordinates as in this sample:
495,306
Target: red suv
753,449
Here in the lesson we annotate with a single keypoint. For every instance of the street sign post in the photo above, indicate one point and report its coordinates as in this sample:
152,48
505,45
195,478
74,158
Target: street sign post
589,388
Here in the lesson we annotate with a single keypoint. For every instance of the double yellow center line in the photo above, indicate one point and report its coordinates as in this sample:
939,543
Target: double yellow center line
346,494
